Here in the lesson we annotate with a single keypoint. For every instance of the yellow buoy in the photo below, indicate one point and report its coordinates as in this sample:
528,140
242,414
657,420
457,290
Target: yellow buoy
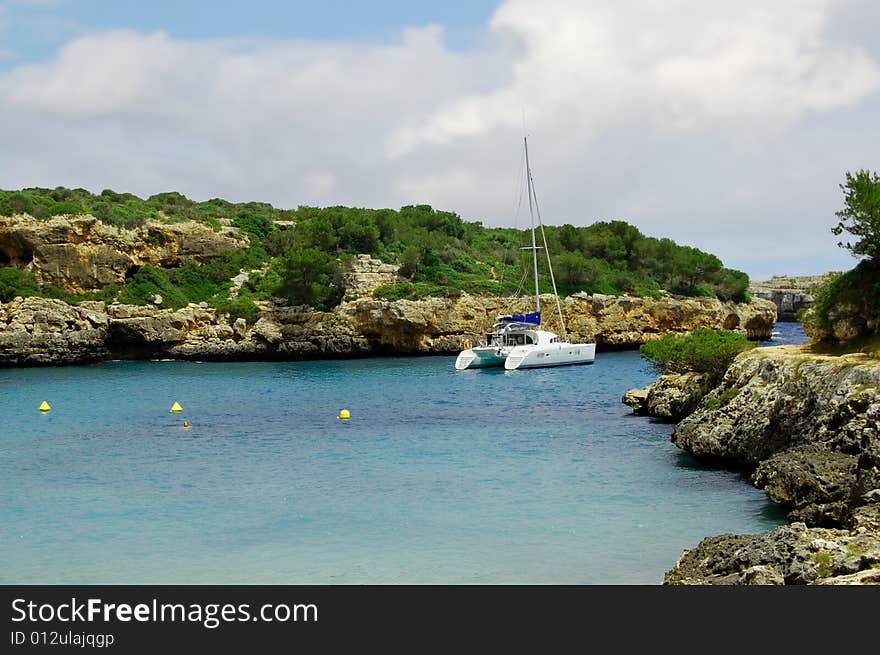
44,406
344,414
176,407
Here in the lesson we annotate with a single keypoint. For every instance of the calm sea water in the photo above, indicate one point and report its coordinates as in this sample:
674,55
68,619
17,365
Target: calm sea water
440,476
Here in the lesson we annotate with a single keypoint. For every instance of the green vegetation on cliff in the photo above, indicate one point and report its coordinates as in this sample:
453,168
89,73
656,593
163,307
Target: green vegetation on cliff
706,351
847,306
14,282
439,254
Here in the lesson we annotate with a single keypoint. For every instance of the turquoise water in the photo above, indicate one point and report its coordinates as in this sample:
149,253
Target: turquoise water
440,476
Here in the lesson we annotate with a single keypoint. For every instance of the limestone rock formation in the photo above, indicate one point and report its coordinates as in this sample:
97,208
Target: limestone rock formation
671,398
790,554
35,331
80,253
626,321
361,327
808,424
809,427
802,420
847,321
790,294
366,273
637,399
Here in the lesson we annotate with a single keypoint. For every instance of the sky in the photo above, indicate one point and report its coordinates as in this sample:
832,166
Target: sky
728,126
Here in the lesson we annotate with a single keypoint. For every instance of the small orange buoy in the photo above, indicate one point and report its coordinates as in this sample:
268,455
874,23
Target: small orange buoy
186,424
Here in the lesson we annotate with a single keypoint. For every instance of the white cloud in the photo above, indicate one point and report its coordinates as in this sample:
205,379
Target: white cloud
712,123
749,68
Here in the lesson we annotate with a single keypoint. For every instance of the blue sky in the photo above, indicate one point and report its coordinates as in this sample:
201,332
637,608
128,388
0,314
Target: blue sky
40,27
725,125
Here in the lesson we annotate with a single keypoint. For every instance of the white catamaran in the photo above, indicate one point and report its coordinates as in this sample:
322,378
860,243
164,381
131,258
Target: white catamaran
516,341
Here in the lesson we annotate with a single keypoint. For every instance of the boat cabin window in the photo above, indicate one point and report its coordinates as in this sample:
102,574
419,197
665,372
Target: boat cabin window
519,339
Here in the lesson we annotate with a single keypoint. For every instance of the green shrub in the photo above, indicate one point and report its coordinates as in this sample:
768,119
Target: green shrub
242,307
823,563
14,282
722,400
414,291
66,208
16,202
705,350
149,281
257,225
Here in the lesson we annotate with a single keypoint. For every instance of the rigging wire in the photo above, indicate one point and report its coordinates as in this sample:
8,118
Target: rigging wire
547,252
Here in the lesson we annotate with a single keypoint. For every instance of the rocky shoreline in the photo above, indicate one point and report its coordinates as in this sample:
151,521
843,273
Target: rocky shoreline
38,331
807,426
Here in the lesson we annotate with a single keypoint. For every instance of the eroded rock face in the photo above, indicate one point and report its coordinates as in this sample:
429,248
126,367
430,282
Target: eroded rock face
791,554
35,331
362,327
808,424
80,253
847,321
366,273
671,398
627,321
608,321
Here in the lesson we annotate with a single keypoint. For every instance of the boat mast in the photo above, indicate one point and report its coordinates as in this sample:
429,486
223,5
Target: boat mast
533,195
532,215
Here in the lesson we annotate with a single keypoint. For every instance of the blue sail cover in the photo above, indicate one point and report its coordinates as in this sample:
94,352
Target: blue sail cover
533,318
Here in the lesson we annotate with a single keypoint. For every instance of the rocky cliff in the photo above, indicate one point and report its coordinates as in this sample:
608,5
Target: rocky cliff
808,427
37,331
790,294
790,554
33,331
808,424
81,253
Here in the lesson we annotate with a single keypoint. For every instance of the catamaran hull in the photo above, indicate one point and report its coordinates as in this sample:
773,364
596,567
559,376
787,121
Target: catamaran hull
557,354
480,358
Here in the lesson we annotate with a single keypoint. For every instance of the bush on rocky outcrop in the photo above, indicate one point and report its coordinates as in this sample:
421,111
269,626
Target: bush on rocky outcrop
241,307
150,284
847,306
708,351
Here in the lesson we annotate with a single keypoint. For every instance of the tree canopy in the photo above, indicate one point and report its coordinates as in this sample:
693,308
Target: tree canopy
860,215
854,294
439,253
